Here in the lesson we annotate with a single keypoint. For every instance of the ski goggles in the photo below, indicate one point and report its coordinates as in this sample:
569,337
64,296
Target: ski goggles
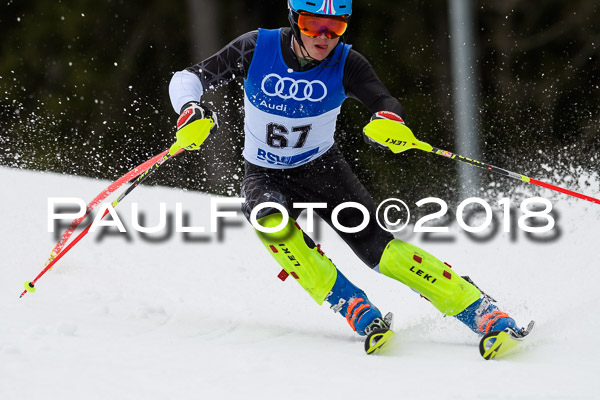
313,25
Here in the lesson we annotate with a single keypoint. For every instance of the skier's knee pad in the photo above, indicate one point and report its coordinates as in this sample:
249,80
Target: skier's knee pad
253,201
427,275
311,268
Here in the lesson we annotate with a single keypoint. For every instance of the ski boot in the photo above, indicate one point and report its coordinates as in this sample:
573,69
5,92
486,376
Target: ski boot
353,304
483,316
362,316
500,335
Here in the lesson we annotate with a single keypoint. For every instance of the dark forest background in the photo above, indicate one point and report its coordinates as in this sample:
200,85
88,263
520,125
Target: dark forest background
84,89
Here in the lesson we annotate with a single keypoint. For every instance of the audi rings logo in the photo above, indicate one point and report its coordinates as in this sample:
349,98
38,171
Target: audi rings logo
288,88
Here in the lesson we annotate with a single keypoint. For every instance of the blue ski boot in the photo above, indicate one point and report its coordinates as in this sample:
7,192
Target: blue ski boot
353,304
483,317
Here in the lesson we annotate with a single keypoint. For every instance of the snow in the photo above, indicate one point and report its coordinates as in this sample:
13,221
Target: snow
130,319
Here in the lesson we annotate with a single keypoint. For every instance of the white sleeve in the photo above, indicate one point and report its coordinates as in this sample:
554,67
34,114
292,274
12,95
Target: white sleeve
185,86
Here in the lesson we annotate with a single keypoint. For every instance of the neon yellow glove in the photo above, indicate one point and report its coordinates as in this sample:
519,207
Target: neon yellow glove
193,126
387,130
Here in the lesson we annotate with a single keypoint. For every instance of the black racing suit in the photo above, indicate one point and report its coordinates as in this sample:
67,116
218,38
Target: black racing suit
327,179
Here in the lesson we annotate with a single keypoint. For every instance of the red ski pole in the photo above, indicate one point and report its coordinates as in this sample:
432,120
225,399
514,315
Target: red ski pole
142,171
103,195
399,138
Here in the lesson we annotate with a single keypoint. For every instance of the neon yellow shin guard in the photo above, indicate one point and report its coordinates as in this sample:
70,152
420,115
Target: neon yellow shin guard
313,270
433,279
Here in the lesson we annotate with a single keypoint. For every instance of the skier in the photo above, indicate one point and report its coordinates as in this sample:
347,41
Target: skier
295,81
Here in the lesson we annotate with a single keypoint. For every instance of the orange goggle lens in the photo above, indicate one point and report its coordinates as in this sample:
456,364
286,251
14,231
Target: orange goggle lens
314,26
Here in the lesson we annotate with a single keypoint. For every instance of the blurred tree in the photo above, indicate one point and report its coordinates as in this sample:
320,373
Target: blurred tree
540,66
84,79
84,87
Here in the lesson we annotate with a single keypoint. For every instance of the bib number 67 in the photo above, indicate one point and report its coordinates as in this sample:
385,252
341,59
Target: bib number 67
277,135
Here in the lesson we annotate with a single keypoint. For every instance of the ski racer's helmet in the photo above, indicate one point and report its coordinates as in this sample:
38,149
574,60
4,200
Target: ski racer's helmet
328,7
330,18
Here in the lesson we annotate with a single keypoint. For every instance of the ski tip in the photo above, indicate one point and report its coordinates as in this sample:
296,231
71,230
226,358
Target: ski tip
498,344
529,327
521,333
376,340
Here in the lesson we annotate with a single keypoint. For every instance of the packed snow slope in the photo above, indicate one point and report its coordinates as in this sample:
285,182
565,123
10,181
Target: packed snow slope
121,317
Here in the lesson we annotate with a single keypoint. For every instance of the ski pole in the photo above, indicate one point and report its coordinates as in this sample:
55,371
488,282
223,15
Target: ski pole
403,139
152,165
103,195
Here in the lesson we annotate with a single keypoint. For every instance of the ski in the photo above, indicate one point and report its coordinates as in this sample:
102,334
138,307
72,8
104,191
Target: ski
380,335
377,339
498,344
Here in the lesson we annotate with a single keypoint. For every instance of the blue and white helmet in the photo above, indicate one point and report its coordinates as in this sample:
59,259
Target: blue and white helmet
323,7
337,8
